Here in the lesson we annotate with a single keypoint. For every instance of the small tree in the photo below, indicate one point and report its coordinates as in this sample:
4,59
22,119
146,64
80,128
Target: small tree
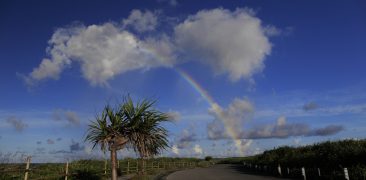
147,135
208,158
109,132
139,125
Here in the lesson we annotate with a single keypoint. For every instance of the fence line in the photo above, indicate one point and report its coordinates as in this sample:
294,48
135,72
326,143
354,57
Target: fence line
291,172
67,169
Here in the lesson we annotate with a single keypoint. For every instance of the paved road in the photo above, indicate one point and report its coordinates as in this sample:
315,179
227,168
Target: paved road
216,172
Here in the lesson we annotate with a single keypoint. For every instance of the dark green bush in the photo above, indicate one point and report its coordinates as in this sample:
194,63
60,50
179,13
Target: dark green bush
208,158
86,175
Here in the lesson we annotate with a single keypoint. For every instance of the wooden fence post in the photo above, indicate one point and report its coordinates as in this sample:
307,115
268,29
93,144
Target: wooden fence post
137,166
66,170
346,173
27,168
143,169
128,166
303,173
105,166
279,170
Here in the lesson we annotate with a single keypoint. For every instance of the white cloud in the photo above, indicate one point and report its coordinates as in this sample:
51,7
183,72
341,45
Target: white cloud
271,31
231,42
170,2
281,121
70,116
257,151
185,138
310,106
17,123
50,141
142,21
242,145
197,149
103,51
282,129
173,2
297,141
76,146
175,150
229,122
174,116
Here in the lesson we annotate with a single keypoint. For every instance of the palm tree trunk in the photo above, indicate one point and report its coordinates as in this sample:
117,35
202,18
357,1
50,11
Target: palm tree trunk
114,164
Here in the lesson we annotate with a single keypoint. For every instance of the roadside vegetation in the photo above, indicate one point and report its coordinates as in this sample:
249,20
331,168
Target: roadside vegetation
329,157
100,169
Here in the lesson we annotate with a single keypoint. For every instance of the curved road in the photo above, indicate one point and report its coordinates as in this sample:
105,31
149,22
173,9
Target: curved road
216,172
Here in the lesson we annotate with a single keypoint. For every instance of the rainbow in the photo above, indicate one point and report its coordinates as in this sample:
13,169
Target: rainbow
214,107
230,130
196,86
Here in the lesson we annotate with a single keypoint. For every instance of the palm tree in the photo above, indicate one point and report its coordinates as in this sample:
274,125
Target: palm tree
147,136
137,125
109,131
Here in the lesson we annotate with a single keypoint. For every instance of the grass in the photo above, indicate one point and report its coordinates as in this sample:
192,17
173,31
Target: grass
94,169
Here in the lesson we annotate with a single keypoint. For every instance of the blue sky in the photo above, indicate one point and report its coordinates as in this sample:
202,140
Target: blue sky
279,72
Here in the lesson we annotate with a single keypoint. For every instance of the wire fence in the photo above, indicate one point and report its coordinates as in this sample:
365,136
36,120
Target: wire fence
91,169
341,173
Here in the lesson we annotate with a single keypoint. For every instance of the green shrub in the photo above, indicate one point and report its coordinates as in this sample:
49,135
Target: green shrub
208,158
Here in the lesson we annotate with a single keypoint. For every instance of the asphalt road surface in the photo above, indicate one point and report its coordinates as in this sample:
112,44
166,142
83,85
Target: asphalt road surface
219,171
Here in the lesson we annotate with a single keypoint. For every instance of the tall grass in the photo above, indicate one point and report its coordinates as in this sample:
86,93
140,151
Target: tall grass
95,169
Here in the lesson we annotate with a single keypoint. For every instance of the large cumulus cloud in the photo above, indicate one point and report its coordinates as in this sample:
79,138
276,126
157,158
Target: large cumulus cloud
103,51
230,42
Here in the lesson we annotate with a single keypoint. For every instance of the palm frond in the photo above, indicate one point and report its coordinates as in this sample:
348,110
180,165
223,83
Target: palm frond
138,123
